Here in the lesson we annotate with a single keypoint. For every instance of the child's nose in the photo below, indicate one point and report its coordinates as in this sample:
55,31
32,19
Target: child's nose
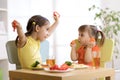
47,34
79,37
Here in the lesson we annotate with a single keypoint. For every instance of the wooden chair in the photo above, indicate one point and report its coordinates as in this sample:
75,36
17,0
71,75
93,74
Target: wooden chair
13,56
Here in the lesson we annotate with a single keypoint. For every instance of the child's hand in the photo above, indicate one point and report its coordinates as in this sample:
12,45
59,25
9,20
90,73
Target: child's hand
56,15
73,44
91,43
15,24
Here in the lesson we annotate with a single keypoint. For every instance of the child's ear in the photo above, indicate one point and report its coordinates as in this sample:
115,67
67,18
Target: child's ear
37,28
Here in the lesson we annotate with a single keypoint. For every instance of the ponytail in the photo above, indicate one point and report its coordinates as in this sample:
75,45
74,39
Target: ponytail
100,41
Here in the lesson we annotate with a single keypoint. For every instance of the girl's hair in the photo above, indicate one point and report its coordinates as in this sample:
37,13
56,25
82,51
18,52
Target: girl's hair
93,32
32,22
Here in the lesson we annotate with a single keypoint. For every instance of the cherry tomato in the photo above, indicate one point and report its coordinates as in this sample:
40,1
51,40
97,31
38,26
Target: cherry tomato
73,42
64,67
14,25
92,39
55,67
56,14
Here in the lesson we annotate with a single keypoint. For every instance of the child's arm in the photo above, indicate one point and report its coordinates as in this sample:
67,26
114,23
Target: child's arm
21,35
88,53
74,55
55,24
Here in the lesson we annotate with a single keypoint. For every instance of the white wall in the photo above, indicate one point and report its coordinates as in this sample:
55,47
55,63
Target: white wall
112,4
22,10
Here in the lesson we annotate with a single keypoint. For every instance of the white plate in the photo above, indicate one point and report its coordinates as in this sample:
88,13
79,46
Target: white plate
58,71
79,66
37,68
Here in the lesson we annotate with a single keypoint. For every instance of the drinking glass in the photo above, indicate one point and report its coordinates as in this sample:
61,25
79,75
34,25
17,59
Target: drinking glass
50,62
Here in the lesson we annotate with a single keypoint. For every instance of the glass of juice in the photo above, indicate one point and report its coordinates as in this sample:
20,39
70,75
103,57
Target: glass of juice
97,62
50,62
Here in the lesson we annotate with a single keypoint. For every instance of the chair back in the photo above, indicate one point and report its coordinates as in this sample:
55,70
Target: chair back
13,54
44,50
106,51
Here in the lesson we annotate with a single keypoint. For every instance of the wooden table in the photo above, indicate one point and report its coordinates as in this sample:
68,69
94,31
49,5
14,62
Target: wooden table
79,74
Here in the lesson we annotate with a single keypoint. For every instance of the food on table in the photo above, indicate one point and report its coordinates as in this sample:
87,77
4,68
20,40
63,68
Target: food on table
39,66
68,63
55,67
79,66
62,67
35,64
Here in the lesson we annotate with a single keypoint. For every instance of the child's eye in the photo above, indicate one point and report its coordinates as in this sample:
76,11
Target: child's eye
47,29
82,35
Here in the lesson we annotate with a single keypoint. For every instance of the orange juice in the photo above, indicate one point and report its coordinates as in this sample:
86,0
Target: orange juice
50,62
97,62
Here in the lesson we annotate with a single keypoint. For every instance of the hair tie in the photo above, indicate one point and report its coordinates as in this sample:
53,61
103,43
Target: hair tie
98,31
33,23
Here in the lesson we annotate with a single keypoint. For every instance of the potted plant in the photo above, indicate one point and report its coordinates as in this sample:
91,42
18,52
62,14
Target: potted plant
110,25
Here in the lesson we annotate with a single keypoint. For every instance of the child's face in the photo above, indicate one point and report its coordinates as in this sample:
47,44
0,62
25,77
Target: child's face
83,38
43,32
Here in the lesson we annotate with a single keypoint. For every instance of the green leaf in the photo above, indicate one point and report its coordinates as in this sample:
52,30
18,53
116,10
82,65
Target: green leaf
68,63
35,64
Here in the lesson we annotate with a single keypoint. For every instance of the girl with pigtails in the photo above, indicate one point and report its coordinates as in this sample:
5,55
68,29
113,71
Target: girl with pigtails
88,51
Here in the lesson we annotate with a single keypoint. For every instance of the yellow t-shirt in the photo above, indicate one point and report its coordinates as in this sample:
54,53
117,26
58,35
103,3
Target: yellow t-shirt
29,53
